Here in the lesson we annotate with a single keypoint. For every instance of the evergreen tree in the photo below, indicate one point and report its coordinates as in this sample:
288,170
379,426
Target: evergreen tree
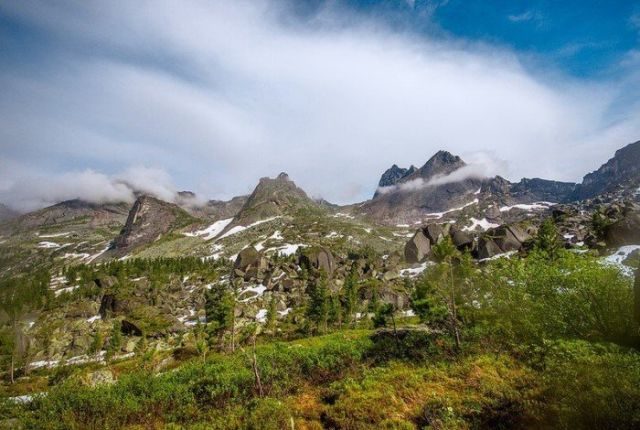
350,297
115,340
271,315
548,239
318,306
445,252
219,308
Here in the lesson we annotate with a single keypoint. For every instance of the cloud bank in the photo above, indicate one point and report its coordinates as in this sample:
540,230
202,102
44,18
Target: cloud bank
218,94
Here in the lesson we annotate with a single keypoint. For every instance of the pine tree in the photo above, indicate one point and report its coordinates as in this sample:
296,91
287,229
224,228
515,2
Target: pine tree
219,308
271,315
350,297
445,252
548,239
115,340
318,306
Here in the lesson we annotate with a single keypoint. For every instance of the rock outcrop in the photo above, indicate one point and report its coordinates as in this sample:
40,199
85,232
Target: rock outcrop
149,219
625,231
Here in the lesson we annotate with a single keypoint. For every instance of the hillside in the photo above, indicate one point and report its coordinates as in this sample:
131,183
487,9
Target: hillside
152,286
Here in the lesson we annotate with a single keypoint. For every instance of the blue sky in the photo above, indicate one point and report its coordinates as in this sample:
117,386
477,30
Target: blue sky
102,97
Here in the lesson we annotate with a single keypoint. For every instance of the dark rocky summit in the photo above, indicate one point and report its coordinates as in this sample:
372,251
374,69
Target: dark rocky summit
148,220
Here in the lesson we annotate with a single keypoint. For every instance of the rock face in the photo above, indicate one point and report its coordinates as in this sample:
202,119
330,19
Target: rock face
625,231
148,220
542,190
623,170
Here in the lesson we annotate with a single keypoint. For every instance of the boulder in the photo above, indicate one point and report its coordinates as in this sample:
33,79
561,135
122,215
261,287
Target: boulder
519,233
625,231
317,258
399,299
247,257
417,248
130,329
493,214
111,305
461,240
434,232
507,240
98,377
487,248
106,281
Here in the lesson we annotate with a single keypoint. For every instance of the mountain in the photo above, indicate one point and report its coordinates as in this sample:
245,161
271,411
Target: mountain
271,198
620,173
72,214
148,220
6,213
421,192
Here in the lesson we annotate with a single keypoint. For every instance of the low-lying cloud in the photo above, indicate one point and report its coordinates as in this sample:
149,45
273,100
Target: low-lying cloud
36,191
481,165
220,93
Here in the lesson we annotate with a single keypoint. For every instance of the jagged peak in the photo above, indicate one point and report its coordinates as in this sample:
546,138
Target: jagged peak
444,157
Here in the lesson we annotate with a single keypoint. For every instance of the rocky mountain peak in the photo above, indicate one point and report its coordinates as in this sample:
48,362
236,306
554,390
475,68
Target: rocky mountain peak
621,172
273,197
442,163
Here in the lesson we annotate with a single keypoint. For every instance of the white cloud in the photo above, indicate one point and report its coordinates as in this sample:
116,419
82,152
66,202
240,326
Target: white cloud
33,190
529,15
219,94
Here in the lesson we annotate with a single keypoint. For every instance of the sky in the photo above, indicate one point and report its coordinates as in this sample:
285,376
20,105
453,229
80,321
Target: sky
101,98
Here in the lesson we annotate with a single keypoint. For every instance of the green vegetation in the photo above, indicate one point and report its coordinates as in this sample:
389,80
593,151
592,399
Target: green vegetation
545,340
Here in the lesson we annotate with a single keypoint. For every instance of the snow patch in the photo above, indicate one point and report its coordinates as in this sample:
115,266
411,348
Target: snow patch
239,228
617,258
261,316
497,256
403,234
49,245
258,291
53,235
277,235
439,215
415,271
94,256
342,215
483,224
284,312
288,249
529,207
212,231
65,290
